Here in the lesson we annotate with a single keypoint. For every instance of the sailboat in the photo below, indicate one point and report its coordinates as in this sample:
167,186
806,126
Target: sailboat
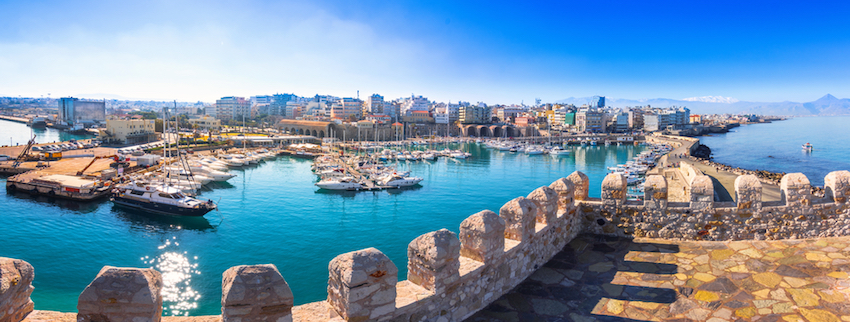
162,196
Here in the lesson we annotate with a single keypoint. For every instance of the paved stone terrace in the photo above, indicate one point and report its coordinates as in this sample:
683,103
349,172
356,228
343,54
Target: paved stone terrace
598,278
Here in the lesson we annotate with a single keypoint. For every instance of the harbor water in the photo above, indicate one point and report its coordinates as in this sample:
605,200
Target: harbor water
777,146
272,213
14,133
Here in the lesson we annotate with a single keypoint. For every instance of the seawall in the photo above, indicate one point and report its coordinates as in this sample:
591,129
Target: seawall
451,276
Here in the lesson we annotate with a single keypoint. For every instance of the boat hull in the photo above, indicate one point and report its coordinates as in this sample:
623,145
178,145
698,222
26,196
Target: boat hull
162,209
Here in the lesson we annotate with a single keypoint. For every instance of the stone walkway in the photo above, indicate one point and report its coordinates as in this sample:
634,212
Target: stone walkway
597,278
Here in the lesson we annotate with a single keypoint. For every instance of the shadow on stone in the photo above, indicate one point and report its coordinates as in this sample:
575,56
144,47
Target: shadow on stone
586,282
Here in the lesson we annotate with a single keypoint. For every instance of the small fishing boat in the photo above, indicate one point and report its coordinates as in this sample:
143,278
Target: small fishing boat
808,147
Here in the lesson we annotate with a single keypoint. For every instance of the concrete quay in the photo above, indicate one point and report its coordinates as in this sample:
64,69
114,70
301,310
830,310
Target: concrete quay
723,180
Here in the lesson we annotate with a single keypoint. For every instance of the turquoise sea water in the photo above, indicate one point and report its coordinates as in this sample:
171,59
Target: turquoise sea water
271,213
19,133
777,146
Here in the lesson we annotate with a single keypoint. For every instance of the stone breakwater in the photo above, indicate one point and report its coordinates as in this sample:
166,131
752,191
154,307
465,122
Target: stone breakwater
451,276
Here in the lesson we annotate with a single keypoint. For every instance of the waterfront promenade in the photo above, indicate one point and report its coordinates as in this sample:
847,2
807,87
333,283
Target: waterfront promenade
724,181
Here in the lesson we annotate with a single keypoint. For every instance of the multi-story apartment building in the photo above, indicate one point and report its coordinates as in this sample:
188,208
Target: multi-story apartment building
345,108
590,120
73,111
205,123
232,107
621,122
597,102
508,113
129,131
441,115
636,118
414,103
373,105
474,114
278,104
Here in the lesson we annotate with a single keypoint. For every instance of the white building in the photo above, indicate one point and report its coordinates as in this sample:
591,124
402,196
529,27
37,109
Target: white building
129,131
414,103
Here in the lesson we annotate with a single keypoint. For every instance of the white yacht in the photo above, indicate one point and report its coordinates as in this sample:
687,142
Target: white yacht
344,183
399,181
558,151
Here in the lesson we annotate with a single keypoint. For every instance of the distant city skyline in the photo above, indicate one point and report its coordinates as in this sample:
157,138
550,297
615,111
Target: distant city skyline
497,53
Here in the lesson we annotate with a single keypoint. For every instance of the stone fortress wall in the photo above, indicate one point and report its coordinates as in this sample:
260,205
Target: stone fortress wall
451,276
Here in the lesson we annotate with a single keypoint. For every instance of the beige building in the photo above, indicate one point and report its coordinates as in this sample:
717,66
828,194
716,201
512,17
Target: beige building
206,123
129,131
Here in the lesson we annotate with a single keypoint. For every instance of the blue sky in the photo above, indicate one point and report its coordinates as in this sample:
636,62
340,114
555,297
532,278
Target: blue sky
490,51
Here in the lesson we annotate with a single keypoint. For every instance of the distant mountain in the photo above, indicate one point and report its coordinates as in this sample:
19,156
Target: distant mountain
711,99
827,105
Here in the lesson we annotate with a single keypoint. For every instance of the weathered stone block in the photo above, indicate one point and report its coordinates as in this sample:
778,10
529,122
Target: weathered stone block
482,237
122,294
796,189
433,260
15,288
566,192
546,200
361,285
519,215
581,184
837,185
255,293
655,193
702,193
613,190
748,193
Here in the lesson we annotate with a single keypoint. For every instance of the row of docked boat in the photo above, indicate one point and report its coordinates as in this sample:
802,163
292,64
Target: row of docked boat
635,170
356,173
170,189
529,149
418,155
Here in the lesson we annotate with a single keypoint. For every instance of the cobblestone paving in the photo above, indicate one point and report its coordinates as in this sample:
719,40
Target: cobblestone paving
597,278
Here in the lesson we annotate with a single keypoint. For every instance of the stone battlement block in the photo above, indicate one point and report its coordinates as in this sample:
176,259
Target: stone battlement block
361,285
796,189
546,200
15,288
702,193
748,192
519,215
255,293
581,184
482,236
433,260
837,185
613,190
566,192
655,193
122,294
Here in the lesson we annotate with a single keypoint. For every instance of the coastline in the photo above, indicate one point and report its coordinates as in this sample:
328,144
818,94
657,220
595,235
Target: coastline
765,176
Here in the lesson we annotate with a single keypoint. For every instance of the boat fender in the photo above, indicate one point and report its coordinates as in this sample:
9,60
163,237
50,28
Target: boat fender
147,188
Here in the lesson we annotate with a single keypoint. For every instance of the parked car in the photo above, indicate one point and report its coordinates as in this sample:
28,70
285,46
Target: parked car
4,157
37,148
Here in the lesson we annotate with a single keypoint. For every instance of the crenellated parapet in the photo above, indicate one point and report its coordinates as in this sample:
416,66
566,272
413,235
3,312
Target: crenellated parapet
451,276
798,215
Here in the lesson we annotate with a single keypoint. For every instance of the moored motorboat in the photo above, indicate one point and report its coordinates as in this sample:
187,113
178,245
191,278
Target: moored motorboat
160,199
344,183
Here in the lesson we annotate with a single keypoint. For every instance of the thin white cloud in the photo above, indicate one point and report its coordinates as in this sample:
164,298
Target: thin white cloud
306,54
